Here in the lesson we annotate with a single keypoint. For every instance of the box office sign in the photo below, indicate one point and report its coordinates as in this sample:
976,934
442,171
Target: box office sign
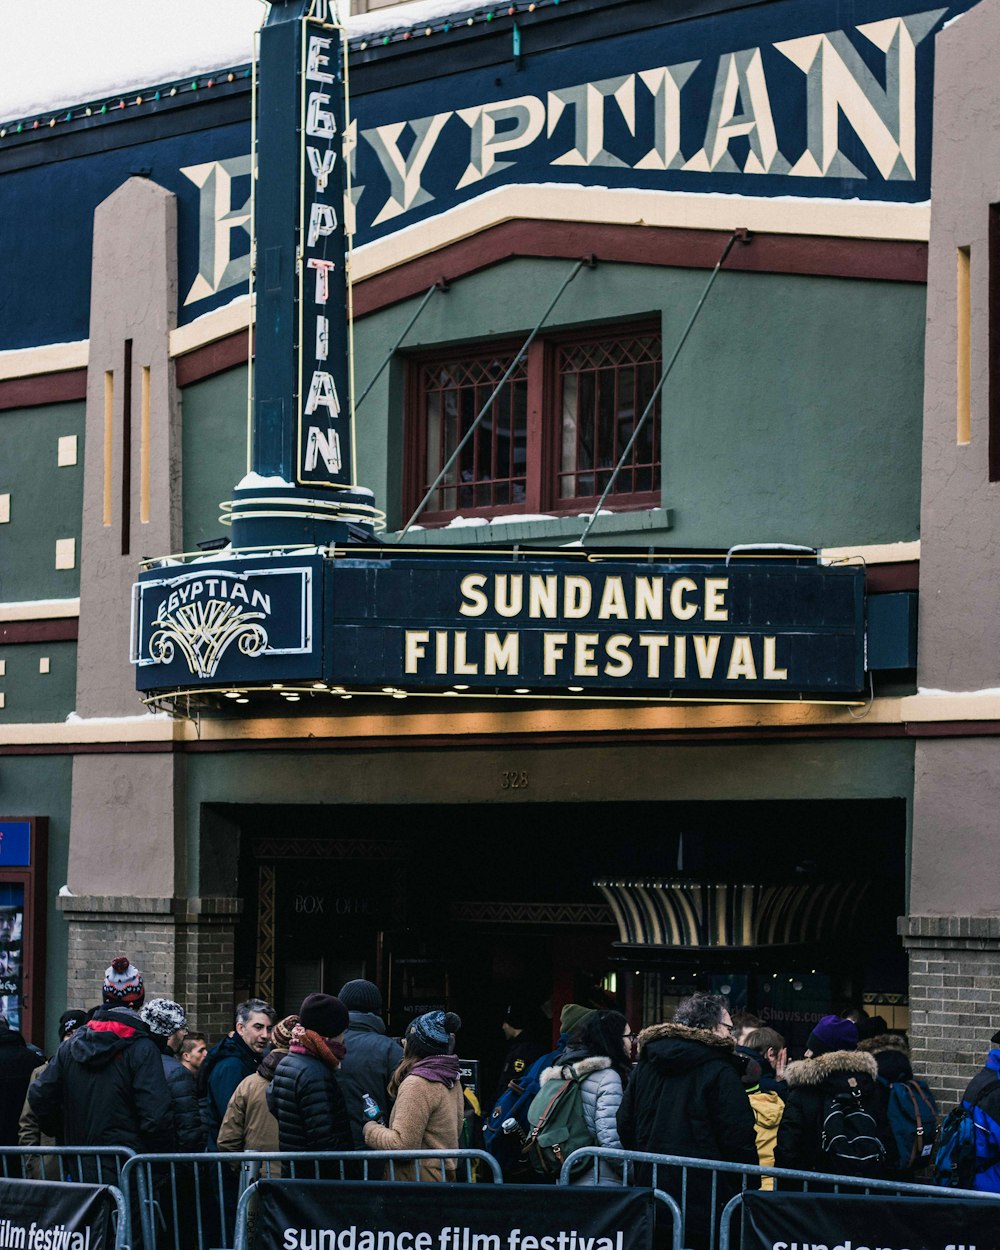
344,1215
767,629
221,623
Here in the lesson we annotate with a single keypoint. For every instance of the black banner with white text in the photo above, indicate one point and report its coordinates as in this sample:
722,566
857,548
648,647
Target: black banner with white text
51,1215
345,1215
777,1221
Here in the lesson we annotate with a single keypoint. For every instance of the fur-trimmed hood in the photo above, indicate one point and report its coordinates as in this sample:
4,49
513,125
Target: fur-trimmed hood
884,1041
676,1049
578,1068
683,1032
821,1069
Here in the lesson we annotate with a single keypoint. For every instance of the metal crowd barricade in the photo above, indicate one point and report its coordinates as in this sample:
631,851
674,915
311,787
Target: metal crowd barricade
674,1173
101,1165
189,1201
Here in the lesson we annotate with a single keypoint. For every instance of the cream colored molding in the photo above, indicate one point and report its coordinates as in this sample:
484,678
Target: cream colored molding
39,610
851,219
75,732
929,706
212,326
52,358
882,553
446,720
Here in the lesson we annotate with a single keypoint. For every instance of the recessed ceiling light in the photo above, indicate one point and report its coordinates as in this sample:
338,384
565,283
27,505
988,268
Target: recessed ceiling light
399,694
522,690
461,687
242,699
574,689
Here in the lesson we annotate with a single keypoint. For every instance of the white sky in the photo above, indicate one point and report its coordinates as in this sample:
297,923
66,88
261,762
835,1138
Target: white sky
56,53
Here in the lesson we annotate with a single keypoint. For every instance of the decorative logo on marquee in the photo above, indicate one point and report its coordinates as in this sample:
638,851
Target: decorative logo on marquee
204,632
209,622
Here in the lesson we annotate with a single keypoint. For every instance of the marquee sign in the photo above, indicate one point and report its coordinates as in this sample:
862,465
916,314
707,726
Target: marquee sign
421,622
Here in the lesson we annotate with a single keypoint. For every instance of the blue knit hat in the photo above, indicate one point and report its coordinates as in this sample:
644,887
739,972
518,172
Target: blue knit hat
433,1033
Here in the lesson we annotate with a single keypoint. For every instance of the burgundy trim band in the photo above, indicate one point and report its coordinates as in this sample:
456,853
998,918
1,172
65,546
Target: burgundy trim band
217,357
58,630
887,260
43,388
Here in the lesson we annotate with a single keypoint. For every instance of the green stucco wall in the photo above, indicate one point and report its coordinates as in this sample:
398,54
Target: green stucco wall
214,440
793,413
31,695
596,774
39,785
46,501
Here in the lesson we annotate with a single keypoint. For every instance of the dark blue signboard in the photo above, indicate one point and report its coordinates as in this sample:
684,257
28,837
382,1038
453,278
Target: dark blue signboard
749,630
219,623
795,98
745,631
15,844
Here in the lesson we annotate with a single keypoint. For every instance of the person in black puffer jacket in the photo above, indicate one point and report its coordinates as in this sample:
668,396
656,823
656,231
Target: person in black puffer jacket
833,1065
686,1098
304,1096
168,1024
105,1087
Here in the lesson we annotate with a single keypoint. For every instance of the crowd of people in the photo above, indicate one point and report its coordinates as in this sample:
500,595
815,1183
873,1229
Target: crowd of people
703,1086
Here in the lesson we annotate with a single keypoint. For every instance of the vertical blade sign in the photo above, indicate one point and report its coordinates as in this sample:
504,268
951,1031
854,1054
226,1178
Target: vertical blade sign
324,417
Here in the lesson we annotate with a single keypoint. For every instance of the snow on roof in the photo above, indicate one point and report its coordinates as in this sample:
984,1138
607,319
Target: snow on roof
66,53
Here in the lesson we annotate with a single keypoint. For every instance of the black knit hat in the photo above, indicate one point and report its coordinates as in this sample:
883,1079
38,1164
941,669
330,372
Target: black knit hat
323,1014
361,996
70,1021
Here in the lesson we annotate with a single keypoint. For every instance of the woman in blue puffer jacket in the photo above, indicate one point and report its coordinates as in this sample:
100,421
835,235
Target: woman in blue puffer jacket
599,1052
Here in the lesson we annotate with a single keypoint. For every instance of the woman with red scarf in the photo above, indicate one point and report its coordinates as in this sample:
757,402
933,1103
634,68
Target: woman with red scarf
428,1110
304,1096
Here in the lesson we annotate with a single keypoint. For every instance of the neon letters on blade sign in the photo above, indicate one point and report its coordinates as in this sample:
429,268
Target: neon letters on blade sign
324,429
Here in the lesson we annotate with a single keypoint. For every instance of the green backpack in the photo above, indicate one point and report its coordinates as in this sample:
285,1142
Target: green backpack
558,1126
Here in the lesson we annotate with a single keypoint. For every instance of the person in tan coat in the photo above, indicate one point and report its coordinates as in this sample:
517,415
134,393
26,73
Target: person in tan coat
428,1108
248,1123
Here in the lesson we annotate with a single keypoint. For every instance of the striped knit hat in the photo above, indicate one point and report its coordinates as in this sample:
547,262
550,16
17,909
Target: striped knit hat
123,984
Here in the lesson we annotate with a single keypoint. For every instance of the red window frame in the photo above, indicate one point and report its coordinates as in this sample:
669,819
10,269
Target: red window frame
544,465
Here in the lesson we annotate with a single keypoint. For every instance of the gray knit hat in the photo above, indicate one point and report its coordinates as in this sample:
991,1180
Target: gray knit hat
163,1016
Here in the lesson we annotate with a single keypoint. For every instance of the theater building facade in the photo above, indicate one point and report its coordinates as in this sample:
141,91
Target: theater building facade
622,695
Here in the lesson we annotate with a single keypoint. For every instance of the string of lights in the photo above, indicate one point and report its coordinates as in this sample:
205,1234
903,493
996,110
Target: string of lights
117,103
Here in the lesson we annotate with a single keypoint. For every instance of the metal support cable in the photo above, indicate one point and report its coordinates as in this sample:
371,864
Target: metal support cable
496,391
438,286
742,236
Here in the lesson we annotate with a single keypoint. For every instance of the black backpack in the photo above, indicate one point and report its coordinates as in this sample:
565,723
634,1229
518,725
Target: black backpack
849,1141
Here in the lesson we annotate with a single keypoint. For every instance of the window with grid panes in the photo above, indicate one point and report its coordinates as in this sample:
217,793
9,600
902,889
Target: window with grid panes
551,438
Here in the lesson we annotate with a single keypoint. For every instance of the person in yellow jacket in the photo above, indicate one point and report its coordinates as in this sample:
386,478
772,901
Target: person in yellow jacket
768,1108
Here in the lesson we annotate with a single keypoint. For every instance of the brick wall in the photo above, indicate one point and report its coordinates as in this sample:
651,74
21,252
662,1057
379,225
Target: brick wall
954,997
183,948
